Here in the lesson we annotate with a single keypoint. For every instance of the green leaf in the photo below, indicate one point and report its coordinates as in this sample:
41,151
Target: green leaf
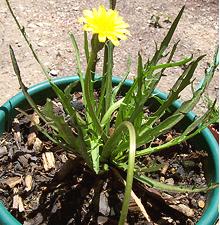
183,81
126,107
180,113
95,146
66,132
78,63
23,87
76,118
172,188
68,90
140,76
88,91
173,64
107,117
22,30
86,46
193,129
130,171
63,128
167,39
117,88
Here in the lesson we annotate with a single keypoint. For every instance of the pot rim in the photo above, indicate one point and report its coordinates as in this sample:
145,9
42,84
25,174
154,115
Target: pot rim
210,215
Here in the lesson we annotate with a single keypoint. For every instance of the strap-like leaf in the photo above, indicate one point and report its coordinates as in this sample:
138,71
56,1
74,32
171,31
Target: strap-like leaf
117,88
23,87
167,39
172,188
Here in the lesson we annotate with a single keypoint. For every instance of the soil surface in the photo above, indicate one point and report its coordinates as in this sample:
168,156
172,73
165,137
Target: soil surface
42,184
47,24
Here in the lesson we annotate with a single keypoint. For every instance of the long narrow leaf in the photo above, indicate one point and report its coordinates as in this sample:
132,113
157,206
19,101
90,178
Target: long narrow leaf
172,188
23,87
118,87
23,32
193,129
78,63
107,117
167,39
183,81
130,172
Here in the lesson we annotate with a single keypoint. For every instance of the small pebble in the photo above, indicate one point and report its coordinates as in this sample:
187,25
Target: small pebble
162,179
38,145
54,73
169,181
194,203
173,170
201,204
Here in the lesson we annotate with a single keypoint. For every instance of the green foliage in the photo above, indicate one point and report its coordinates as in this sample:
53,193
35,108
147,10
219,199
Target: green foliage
90,137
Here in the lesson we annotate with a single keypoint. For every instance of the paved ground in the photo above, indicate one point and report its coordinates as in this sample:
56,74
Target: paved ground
48,23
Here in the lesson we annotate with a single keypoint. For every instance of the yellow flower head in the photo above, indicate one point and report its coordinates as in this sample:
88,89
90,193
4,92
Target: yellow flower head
107,24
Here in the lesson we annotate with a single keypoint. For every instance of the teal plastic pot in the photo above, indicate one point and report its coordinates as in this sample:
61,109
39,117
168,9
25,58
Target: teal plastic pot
43,90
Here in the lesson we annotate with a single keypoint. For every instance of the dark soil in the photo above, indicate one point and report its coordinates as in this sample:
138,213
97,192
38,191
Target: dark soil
70,193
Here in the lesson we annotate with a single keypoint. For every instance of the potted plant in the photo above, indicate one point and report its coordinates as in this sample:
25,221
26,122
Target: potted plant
115,133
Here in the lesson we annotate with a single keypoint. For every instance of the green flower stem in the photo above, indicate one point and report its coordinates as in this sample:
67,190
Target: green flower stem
86,46
89,97
108,95
101,109
106,87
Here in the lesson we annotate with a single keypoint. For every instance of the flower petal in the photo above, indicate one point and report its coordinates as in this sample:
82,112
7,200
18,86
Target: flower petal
102,38
105,23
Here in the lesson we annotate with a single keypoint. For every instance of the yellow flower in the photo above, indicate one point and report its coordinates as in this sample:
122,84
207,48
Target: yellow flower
107,24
